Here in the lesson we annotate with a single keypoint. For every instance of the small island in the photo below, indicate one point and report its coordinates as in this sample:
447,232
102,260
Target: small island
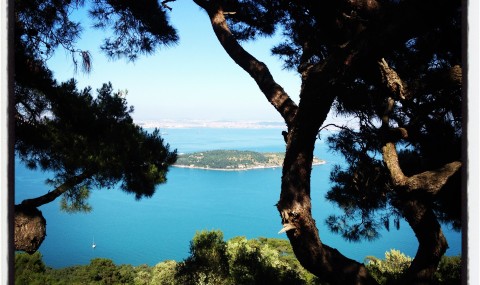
233,160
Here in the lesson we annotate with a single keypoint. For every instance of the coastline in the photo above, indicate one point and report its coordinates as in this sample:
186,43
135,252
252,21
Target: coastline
239,169
188,124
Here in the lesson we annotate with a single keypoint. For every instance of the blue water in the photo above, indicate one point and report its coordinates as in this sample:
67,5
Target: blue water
240,203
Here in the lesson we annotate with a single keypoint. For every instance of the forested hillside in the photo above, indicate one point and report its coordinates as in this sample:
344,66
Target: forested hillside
232,159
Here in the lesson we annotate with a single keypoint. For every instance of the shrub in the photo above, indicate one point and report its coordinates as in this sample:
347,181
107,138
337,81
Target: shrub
163,273
29,269
207,263
449,270
388,269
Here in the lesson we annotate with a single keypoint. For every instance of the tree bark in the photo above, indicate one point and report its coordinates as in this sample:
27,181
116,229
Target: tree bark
432,243
295,209
30,225
30,228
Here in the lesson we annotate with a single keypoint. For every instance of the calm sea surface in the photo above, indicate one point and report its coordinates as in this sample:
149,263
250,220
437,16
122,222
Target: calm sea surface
240,203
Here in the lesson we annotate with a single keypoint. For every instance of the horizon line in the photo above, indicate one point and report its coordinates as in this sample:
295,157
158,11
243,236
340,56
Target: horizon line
200,123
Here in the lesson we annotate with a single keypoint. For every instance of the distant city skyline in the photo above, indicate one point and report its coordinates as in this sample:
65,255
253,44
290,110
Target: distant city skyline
175,124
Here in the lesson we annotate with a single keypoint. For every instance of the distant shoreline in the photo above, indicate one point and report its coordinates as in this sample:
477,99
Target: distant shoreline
229,124
185,124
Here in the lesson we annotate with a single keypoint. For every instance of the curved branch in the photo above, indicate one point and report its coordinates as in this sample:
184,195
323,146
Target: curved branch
430,181
57,192
432,244
274,93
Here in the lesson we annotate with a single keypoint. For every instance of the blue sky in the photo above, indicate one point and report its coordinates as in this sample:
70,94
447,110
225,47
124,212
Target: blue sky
195,79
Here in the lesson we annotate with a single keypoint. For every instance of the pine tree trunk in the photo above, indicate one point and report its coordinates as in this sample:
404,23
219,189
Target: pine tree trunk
30,228
432,243
295,209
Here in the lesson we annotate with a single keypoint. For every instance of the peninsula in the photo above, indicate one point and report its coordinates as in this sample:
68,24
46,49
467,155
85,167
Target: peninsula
233,160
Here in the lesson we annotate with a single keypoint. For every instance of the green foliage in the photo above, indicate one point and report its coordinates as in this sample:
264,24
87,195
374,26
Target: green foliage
389,269
163,273
102,271
76,275
233,159
138,27
87,141
208,261
95,139
213,261
255,262
29,269
230,159
449,270
76,201
240,261
44,26
143,275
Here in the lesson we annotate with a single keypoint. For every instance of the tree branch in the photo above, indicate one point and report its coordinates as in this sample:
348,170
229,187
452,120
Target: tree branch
57,192
392,81
432,181
390,157
274,93
432,244
429,181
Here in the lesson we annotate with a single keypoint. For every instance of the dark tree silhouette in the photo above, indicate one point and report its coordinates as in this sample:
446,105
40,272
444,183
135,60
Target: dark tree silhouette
86,141
396,67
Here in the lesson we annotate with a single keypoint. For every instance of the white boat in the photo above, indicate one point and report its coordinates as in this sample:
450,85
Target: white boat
93,244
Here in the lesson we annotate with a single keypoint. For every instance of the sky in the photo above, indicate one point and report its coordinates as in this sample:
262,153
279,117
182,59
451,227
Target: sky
194,80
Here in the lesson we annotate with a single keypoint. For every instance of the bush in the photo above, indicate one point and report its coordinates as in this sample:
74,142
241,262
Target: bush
391,268
240,261
164,273
449,270
29,269
207,263
388,269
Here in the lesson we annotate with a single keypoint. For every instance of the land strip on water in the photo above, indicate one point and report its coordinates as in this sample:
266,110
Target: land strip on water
233,160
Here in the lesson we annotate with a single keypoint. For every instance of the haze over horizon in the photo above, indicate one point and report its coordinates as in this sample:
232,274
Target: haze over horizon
193,80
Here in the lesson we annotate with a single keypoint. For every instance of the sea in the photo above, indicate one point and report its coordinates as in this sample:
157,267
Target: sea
239,203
